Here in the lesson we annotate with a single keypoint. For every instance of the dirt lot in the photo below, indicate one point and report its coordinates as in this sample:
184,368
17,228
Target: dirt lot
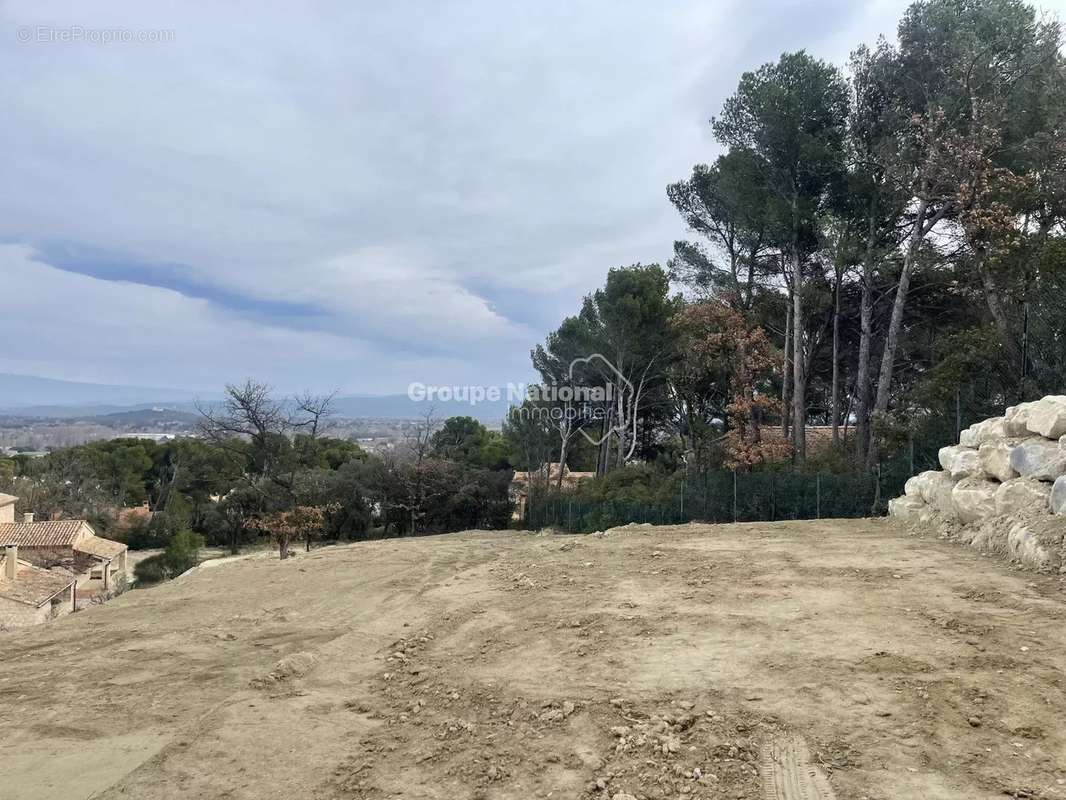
650,662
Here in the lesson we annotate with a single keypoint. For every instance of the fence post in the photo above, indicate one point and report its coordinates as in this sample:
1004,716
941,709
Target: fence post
877,492
735,519
773,499
818,496
682,502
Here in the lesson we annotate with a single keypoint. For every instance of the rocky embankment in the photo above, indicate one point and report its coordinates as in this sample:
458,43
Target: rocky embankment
1002,487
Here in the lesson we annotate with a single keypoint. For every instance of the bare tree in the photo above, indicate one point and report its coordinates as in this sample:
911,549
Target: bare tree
261,431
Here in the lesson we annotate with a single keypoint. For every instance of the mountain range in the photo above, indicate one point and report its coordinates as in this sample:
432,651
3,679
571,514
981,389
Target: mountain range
33,396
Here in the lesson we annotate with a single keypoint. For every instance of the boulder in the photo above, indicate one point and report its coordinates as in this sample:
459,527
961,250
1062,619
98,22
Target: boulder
913,486
1022,497
935,488
1037,544
947,454
927,517
1038,458
960,462
905,509
995,459
1047,417
981,432
966,464
1016,420
1058,496
974,499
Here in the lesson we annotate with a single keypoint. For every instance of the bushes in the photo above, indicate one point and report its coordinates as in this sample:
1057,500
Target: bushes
151,570
181,555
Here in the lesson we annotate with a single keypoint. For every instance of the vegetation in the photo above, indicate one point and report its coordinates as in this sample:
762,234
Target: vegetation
878,252
877,259
265,468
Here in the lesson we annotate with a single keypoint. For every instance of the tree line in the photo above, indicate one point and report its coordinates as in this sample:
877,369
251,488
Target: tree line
877,254
265,466
878,251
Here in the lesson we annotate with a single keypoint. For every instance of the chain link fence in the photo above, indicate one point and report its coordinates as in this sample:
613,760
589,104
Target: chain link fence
726,496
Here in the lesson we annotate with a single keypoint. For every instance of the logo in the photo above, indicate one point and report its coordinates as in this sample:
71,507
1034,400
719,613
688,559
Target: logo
621,399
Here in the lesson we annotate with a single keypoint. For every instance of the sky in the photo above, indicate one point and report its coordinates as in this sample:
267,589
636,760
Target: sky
351,195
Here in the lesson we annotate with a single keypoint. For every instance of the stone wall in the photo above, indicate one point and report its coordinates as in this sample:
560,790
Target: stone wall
1002,488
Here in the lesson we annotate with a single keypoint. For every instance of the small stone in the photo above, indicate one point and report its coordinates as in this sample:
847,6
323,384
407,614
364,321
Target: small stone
975,722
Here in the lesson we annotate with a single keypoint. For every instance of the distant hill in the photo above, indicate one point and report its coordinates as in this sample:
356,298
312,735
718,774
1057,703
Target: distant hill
51,397
400,406
30,396
149,418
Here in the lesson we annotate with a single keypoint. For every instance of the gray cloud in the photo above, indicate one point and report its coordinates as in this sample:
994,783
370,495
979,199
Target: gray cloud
432,185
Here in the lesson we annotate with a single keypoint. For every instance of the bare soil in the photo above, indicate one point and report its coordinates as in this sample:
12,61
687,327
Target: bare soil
780,660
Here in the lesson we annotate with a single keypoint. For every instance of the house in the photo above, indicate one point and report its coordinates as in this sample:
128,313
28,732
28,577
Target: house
126,519
549,473
98,565
30,595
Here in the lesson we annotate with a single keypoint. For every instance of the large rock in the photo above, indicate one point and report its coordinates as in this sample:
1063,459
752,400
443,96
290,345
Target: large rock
1039,458
905,509
1047,417
1022,497
913,486
1016,420
935,488
966,464
960,462
981,432
974,499
1037,543
995,459
1058,496
946,455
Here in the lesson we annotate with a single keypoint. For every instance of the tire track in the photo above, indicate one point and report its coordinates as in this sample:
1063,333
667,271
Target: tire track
788,774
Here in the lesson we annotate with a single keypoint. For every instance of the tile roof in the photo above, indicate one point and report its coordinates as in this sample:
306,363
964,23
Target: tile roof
56,533
97,546
33,585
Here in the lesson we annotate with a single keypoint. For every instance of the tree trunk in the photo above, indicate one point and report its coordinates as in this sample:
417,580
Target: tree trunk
786,371
999,315
799,371
562,457
888,358
862,374
834,401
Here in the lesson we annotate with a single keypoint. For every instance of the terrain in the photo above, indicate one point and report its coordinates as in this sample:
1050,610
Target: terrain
789,660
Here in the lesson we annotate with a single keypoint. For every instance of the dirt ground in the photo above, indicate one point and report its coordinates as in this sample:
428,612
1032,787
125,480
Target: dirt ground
645,663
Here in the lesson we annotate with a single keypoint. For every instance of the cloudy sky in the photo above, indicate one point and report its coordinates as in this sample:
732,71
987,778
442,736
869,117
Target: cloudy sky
351,195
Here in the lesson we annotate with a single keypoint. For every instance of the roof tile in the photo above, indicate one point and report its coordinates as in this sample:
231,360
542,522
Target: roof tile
55,533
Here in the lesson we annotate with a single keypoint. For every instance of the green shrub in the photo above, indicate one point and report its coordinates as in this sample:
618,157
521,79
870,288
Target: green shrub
151,570
181,555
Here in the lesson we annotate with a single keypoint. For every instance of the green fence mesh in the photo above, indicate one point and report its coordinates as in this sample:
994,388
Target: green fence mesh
726,496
